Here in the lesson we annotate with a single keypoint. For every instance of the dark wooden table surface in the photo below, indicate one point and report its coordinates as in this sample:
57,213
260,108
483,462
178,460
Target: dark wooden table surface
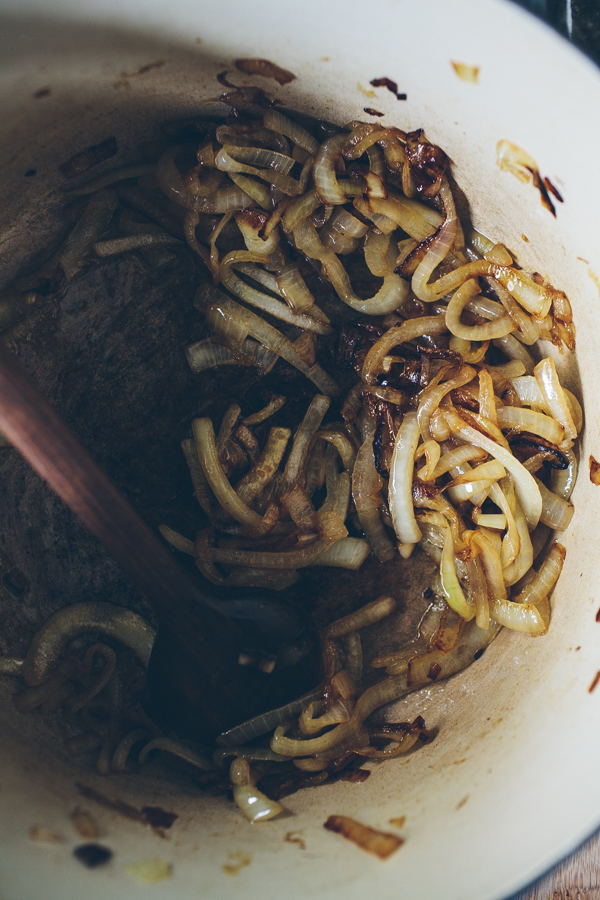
577,878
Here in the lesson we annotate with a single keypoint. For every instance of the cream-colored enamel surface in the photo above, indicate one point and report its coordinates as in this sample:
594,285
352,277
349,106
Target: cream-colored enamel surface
512,782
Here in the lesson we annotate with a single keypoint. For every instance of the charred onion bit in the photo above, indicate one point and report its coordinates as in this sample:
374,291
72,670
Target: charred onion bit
428,163
379,843
527,444
594,470
265,68
389,84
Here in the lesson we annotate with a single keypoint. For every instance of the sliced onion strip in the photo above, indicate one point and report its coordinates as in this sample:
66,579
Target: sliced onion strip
401,478
554,396
525,485
366,493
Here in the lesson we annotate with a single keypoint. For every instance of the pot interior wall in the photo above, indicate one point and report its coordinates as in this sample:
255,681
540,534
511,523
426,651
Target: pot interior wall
109,354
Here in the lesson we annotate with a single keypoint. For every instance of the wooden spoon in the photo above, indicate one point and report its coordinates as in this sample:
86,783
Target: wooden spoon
197,686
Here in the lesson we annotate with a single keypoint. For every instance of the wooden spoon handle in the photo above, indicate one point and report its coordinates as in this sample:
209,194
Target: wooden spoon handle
34,428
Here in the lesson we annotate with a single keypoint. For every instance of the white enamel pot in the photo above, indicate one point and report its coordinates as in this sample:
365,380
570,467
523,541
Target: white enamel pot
511,784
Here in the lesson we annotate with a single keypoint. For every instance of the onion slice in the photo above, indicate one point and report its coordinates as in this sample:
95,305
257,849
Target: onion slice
554,396
401,478
204,435
329,153
366,492
525,484
230,319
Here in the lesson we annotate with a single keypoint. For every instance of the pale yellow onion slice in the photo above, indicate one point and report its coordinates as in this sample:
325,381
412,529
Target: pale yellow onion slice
300,209
455,457
206,354
438,250
324,171
343,221
471,640
250,222
366,493
522,564
526,329
554,396
511,543
556,512
470,352
408,215
342,444
276,121
190,222
562,481
525,484
90,616
529,393
261,300
545,579
535,298
492,470
349,553
514,349
433,395
264,467
380,253
401,477
399,334
390,296
224,199
234,159
293,288
450,584
487,400
495,329
310,424
496,521
517,616
431,450
255,805
259,192
515,419
310,722
204,435
232,320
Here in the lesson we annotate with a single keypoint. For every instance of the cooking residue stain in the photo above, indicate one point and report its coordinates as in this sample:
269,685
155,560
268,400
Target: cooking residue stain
154,817
42,92
594,470
462,802
266,68
123,79
149,871
84,824
44,835
594,683
236,862
293,837
364,90
519,163
398,821
466,72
